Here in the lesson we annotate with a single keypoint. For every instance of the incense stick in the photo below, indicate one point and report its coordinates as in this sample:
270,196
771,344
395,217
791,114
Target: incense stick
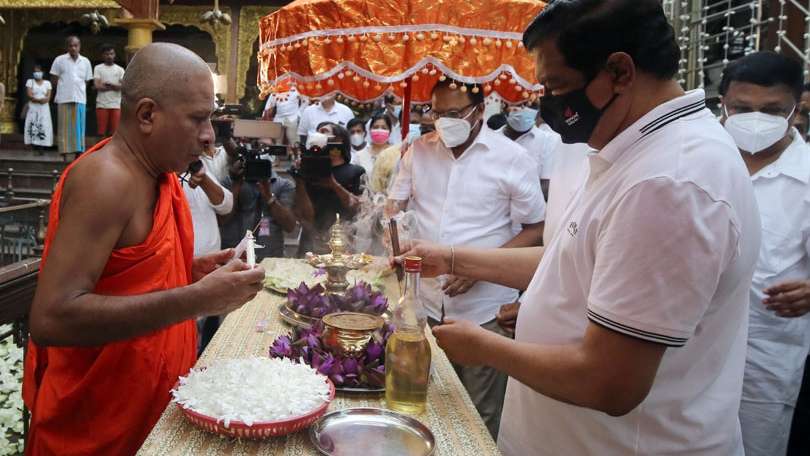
394,233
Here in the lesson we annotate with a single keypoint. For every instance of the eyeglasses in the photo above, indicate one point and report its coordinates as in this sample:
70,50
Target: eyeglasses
452,114
774,111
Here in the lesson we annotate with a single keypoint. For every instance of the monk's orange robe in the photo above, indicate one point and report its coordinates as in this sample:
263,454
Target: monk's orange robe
105,400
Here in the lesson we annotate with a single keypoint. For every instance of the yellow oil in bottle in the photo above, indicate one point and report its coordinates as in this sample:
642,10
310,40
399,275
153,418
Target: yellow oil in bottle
407,370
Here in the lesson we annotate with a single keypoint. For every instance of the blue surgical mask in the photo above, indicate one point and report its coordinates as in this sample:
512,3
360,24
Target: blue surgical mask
37,75
522,120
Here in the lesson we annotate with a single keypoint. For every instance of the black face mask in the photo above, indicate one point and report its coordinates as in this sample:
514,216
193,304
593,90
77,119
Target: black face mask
572,115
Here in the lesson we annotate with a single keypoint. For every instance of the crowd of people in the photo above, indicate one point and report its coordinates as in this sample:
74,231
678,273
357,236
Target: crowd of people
612,268
476,186
70,74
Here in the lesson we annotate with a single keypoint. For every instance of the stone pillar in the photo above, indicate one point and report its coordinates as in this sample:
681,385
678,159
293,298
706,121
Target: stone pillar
9,42
233,64
8,123
140,33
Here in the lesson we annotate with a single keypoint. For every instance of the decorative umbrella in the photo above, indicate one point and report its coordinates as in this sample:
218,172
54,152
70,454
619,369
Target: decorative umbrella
365,48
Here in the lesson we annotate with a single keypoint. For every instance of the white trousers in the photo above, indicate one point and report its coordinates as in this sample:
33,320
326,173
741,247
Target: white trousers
765,427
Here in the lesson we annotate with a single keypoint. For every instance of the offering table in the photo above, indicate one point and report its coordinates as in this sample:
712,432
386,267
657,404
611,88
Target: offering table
450,415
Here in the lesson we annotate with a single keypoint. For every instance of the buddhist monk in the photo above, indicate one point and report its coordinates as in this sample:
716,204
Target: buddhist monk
112,321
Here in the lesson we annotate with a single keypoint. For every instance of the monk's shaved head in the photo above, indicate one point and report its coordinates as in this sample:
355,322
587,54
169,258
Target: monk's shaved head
166,106
160,71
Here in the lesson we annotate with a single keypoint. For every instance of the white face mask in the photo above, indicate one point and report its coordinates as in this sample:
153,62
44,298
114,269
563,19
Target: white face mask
454,131
358,139
756,131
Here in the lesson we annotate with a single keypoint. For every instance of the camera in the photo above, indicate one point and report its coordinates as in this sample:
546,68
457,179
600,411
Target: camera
316,163
255,154
256,167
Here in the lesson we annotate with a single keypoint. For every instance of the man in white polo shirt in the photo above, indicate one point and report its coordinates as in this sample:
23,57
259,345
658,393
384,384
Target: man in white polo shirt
328,110
631,337
540,144
760,94
467,184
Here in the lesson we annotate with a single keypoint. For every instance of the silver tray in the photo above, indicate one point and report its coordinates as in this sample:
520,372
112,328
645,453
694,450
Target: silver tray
294,318
370,432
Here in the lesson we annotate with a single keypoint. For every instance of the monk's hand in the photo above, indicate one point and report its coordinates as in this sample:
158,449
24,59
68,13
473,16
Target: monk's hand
788,299
206,264
463,341
228,288
435,257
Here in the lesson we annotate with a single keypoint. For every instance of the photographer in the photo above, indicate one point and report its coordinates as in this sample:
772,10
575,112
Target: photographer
266,200
206,199
317,200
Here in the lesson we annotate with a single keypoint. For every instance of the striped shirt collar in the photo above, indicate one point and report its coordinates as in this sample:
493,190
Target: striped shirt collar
664,114
794,162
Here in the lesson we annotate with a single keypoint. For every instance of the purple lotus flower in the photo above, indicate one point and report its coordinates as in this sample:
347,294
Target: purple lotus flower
378,303
305,300
326,365
309,337
282,347
318,273
362,298
366,370
351,366
373,351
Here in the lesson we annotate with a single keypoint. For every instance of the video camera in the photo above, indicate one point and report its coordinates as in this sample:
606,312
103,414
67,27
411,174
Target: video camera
315,161
247,135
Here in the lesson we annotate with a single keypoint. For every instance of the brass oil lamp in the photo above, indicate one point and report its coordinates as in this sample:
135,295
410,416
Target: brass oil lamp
338,262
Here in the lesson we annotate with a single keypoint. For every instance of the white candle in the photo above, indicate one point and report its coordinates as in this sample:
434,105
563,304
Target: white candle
251,249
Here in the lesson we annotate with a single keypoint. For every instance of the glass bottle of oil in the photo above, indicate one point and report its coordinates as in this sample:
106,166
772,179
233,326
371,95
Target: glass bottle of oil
407,352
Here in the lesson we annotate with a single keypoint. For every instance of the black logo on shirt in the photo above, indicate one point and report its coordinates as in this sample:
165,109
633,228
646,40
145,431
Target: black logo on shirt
573,229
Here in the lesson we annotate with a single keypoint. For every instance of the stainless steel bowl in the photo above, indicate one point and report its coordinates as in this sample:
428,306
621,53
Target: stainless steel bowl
371,432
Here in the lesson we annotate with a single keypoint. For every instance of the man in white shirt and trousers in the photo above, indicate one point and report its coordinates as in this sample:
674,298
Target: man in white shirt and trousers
631,336
467,184
107,78
760,94
70,73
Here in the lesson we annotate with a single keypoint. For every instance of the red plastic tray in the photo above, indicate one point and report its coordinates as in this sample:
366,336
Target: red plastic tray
262,429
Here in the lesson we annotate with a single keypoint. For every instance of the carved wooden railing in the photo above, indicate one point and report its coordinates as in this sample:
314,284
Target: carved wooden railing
18,282
22,228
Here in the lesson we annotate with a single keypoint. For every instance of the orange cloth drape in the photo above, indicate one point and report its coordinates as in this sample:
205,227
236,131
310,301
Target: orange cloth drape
363,48
105,400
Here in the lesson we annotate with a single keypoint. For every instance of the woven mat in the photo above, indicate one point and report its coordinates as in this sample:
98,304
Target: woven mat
450,414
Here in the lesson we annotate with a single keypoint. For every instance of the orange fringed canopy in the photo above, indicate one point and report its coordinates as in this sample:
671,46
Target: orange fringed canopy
364,48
